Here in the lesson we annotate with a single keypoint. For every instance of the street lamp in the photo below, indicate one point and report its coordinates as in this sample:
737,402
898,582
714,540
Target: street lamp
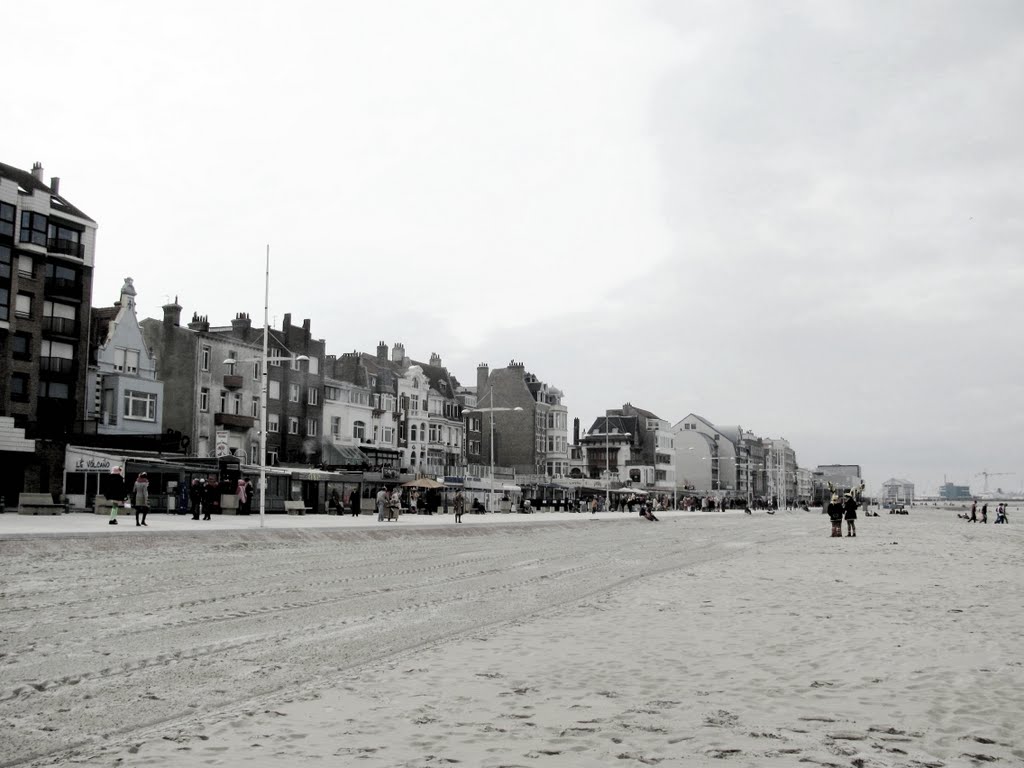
492,410
264,361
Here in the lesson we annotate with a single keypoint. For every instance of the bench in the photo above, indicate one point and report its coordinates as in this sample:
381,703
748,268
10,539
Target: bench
39,504
296,508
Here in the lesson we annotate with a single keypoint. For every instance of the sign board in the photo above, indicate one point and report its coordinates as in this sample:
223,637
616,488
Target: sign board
221,448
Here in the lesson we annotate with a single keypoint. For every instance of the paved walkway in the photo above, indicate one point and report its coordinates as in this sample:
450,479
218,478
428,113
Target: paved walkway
13,524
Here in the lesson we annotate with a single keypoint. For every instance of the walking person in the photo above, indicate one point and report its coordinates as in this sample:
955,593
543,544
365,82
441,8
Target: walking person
974,511
382,504
835,516
115,493
195,497
460,506
240,495
984,513
353,501
850,513
395,504
211,497
141,492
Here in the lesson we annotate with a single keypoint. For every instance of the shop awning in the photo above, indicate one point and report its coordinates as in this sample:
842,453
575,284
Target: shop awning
342,456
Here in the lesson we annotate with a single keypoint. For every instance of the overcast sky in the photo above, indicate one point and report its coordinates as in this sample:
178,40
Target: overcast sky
803,218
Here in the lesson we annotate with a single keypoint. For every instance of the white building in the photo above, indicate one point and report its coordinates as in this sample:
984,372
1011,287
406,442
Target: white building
125,397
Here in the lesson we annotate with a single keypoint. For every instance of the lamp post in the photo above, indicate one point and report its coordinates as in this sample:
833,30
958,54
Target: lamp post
264,361
492,410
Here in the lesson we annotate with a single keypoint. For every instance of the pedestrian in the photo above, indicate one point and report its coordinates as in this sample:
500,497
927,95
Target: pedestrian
395,504
115,493
835,516
382,504
353,502
211,497
1001,514
984,513
240,495
460,506
850,513
413,502
195,497
974,511
141,492
249,492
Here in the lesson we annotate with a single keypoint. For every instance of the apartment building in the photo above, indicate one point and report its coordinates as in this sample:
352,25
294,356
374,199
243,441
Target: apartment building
47,249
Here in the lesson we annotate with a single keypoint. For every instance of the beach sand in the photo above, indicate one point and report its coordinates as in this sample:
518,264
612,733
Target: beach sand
737,640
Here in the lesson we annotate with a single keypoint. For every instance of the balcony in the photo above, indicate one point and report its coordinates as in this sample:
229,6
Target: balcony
59,365
60,326
233,421
62,286
232,381
66,247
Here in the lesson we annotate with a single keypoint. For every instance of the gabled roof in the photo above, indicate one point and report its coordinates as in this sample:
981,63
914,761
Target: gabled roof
30,183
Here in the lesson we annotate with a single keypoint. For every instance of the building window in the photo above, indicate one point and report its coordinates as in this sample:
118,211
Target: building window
332,393
387,435
358,430
335,426
313,396
7,219
293,425
256,371
33,228
255,410
204,358
223,402
26,266
140,405
204,400
19,387
314,365
21,346
412,433
275,356
414,403
274,389
271,422
131,361
236,404
23,305
57,390
293,393
64,240
231,362
310,427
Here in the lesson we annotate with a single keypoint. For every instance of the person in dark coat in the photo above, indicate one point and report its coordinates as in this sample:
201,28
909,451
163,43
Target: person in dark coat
850,513
211,498
114,490
835,516
353,502
195,497
141,493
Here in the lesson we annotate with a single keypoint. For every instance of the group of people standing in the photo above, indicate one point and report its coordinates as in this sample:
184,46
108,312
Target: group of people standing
116,493
840,510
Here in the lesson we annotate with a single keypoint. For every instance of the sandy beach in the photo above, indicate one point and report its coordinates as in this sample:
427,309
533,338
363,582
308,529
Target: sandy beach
562,641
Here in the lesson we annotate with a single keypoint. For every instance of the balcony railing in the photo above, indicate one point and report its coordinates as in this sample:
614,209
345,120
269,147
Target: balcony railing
62,286
62,326
232,381
61,365
61,245
234,420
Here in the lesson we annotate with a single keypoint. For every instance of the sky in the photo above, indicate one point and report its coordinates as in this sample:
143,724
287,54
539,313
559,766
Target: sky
803,218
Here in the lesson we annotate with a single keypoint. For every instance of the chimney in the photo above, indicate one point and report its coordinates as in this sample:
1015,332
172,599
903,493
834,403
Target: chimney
55,184
382,352
37,171
398,352
241,325
199,323
483,373
305,329
286,324
172,313
435,359
576,431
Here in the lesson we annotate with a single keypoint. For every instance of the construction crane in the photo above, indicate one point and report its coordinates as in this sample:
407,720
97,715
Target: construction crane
987,475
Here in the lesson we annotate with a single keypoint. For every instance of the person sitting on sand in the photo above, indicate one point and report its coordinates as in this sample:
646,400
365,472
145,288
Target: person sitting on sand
646,513
835,516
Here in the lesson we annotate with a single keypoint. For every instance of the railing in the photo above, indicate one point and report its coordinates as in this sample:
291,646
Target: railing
64,326
234,420
232,381
63,286
62,245
56,365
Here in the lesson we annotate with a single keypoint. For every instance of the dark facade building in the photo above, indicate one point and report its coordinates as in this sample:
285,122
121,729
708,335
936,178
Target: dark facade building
47,247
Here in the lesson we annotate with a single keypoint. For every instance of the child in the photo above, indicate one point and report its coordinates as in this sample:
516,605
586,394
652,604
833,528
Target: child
835,516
